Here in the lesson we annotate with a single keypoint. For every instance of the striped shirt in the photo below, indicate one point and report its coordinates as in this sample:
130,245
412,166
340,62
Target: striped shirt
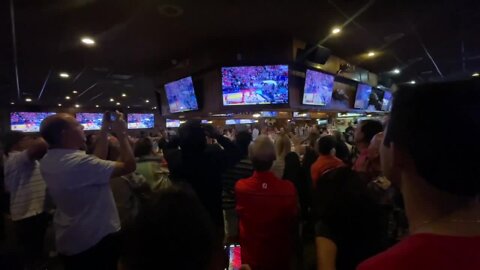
243,169
25,184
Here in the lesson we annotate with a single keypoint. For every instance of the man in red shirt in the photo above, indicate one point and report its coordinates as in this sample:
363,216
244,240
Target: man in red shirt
438,177
267,210
327,159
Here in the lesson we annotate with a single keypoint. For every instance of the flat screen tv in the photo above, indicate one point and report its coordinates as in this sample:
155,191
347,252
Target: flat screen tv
181,95
255,85
318,88
173,123
363,96
240,121
140,120
387,101
375,101
90,121
301,115
343,96
27,121
269,114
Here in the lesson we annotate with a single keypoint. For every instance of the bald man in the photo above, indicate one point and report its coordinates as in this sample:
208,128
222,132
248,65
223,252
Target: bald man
86,220
267,211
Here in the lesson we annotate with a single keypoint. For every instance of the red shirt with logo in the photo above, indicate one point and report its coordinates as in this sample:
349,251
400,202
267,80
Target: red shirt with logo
429,251
267,210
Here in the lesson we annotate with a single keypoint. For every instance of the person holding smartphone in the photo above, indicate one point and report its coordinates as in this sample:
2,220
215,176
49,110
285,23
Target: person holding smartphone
86,220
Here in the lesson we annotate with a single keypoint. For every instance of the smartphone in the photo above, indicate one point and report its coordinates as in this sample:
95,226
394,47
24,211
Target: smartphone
234,257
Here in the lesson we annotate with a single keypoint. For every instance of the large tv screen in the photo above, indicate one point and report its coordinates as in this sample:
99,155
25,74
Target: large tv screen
181,95
90,121
172,123
343,96
140,120
254,85
363,96
387,101
375,101
27,121
318,88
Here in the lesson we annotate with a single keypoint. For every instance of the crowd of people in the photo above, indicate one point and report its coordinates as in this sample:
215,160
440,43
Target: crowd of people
396,195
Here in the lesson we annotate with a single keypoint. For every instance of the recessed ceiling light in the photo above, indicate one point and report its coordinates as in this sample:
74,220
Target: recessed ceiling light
118,103
371,54
12,103
28,100
88,41
59,104
97,106
112,100
74,91
147,101
124,95
77,105
336,30
67,97
128,107
64,75
413,82
476,74
154,108
396,71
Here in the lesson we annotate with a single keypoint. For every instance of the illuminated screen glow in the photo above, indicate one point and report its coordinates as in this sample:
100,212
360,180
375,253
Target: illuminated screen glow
181,95
363,96
318,88
90,121
255,85
140,120
27,121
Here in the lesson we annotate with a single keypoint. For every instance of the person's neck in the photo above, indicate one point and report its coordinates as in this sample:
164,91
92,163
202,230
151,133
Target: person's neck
430,210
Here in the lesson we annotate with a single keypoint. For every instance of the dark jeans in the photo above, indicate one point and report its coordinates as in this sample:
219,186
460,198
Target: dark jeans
104,255
30,234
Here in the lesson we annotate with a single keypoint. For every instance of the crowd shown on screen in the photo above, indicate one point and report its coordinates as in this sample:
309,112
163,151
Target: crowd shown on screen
400,194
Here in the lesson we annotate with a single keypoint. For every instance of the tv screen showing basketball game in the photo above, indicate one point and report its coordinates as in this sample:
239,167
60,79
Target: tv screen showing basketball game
27,121
255,85
318,88
140,120
363,96
387,101
181,95
375,101
173,123
90,121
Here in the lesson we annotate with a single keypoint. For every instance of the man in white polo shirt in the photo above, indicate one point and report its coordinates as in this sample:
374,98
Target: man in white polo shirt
27,193
86,220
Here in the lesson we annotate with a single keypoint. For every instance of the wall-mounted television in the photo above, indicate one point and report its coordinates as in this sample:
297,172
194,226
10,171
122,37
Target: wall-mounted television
343,96
181,95
90,121
268,114
387,101
240,121
301,115
375,101
318,88
255,85
363,96
140,120
27,121
172,123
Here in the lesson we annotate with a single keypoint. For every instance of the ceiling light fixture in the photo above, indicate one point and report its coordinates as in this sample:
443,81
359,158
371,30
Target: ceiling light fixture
124,95
74,91
28,100
59,104
64,75
476,74
371,54
154,108
67,97
147,101
118,103
88,41
112,100
77,105
396,71
336,30
97,106
128,107
12,103
413,82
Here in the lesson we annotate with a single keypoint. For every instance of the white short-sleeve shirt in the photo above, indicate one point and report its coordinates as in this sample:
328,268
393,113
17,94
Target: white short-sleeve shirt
25,185
79,186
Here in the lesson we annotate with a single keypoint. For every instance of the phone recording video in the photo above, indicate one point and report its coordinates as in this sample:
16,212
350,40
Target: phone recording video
234,257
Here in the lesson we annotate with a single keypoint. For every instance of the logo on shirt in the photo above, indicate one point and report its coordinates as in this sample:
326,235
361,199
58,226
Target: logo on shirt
264,185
